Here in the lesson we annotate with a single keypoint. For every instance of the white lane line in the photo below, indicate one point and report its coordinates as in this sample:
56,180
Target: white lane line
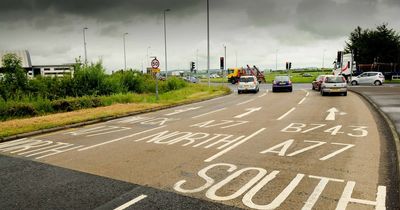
130,203
302,100
233,146
262,95
287,113
218,110
267,90
245,102
308,93
119,139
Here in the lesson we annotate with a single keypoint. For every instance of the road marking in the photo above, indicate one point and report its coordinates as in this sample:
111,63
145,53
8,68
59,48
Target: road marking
332,113
286,114
178,111
347,146
233,146
264,94
119,139
218,110
245,102
130,203
267,90
250,110
308,93
302,100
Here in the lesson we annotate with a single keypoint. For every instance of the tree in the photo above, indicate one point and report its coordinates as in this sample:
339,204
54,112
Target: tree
15,79
380,45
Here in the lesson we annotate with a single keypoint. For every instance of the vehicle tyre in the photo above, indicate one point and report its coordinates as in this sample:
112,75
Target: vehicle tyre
377,82
354,83
291,89
273,90
313,88
239,92
322,93
345,94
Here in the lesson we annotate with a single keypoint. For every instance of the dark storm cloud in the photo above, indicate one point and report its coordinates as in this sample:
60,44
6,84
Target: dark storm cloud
333,18
51,11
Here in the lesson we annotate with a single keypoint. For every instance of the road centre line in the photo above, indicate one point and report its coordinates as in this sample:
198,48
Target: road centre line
302,100
119,139
245,102
233,146
130,203
286,114
218,110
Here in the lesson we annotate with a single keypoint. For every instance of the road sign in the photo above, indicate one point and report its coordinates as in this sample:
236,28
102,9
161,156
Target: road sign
155,70
155,63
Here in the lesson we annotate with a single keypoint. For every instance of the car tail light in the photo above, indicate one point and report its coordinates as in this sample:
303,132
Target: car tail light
381,76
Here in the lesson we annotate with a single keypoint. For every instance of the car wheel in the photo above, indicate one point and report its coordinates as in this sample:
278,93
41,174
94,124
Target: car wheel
291,89
239,92
354,83
345,94
313,88
377,82
322,93
273,90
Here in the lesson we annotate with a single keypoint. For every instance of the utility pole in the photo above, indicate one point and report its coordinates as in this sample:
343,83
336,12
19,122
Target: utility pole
123,37
224,61
84,43
165,43
208,42
276,61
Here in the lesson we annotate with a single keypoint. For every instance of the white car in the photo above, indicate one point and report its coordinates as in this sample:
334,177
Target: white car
248,84
334,84
376,78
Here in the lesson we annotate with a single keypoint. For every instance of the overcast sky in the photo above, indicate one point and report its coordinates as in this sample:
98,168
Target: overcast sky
254,31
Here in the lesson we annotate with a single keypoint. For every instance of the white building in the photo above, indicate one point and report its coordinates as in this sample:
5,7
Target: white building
39,70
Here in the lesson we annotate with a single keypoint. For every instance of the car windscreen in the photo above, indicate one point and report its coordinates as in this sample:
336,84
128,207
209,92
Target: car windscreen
246,79
282,78
334,80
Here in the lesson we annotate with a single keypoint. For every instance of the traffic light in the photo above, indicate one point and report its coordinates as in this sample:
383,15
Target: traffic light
192,66
290,65
287,65
339,56
221,63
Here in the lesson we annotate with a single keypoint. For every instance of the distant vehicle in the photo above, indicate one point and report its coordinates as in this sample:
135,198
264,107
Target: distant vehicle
316,84
214,76
282,83
307,75
191,79
334,84
346,66
376,78
235,73
248,84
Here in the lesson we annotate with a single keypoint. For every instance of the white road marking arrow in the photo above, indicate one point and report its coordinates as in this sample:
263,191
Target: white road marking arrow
250,110
182,110
331,115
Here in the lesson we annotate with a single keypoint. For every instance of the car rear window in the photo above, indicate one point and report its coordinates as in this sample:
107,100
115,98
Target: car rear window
282,78
334,80
246,79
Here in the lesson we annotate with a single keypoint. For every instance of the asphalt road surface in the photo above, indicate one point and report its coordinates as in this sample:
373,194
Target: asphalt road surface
267,150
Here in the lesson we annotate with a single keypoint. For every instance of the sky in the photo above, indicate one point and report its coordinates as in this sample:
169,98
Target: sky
264,33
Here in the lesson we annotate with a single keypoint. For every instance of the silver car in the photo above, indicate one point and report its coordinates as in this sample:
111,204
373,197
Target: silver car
376,78
248,84
334,84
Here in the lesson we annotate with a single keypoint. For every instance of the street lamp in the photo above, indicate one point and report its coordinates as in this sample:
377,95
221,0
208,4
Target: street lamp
323,59
276,61
223,75
123,37
147,56
165,42
208,42
84,43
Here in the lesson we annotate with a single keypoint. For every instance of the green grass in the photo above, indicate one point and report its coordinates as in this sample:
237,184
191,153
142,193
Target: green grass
120,104
296,77
215,80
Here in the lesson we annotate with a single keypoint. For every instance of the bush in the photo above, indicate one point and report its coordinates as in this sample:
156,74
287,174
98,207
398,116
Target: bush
19,110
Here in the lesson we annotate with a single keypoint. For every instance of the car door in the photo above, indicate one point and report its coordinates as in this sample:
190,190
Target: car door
371,78
363,78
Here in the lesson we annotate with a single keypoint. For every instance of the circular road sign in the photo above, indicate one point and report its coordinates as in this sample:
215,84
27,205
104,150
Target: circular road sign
155,63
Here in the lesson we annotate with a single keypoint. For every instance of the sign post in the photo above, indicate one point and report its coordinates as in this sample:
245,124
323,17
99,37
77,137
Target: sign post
155,64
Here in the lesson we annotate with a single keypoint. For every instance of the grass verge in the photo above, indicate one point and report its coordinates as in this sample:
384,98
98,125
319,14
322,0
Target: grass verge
143,102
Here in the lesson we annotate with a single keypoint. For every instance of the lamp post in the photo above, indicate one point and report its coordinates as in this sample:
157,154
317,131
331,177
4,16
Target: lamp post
123,37
276,60
84,43
224,70
208,42
323,59
165,42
